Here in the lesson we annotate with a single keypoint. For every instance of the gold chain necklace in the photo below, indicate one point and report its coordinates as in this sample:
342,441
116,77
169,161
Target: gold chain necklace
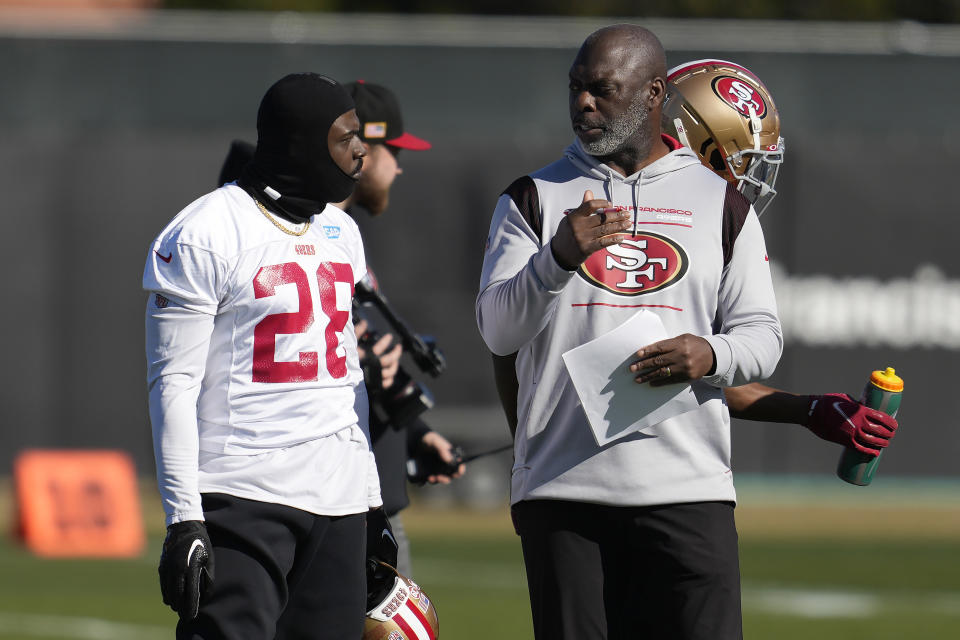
263,209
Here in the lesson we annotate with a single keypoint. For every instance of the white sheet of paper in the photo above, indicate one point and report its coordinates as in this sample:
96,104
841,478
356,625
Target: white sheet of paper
615,404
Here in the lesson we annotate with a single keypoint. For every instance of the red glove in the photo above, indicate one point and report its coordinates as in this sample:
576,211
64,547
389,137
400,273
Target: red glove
839,418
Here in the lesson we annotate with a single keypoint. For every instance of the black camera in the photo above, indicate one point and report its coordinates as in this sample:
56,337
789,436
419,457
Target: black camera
427,463
406,398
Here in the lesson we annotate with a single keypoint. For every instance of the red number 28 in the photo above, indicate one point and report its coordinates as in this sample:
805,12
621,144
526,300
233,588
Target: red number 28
305,369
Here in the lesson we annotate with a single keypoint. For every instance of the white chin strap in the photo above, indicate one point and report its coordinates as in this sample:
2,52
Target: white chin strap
681,132
755,128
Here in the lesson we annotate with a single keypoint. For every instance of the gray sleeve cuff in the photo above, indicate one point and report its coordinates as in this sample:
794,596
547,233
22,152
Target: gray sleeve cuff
723,374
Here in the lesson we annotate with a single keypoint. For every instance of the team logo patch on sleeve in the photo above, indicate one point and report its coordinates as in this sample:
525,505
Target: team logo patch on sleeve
642,263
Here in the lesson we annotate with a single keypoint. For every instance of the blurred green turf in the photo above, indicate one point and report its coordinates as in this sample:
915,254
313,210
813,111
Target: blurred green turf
72,598
792,589
849,590
818,561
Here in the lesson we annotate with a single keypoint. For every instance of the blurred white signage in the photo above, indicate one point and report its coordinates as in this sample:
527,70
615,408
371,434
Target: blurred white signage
918,310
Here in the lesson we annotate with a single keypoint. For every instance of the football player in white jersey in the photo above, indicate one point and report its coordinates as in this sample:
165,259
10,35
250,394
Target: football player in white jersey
255,390
394,442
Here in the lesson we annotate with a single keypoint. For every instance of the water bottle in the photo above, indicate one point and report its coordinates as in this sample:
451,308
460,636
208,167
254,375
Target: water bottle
883,392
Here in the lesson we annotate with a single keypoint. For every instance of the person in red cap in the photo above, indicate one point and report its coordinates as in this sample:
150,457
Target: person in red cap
394,441
381,129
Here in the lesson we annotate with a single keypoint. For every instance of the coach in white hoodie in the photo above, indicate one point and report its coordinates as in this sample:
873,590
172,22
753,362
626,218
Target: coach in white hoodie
635,538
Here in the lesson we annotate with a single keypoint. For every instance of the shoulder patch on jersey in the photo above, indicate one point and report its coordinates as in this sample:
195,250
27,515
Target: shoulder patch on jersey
642,263
331,231
735,210
523,192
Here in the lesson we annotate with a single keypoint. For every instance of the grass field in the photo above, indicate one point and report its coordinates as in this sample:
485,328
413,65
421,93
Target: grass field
818,561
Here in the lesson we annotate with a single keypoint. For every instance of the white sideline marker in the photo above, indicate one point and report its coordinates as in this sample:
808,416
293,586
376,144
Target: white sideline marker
78,628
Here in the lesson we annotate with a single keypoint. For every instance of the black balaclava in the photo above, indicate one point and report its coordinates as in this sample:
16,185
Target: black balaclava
292,172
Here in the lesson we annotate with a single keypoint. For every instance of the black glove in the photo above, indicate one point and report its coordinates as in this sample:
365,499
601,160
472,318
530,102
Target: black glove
186,567
381,545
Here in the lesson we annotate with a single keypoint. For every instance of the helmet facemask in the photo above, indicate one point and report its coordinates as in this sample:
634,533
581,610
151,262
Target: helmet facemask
757,182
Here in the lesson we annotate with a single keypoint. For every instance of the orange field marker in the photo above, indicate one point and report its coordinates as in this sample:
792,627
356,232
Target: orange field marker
78,503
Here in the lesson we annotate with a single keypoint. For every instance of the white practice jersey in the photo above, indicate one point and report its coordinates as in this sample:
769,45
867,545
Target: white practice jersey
250,347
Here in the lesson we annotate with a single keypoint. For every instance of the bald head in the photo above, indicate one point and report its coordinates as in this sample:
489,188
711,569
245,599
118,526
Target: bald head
637,48
617,84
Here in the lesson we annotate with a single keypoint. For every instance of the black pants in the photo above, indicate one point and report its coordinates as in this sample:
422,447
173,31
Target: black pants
281,573
630,573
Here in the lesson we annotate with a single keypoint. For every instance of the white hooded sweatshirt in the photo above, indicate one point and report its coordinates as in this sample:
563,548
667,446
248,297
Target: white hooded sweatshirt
697,259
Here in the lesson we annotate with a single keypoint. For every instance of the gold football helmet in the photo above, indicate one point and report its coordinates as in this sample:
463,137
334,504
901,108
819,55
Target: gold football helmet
725,114
398,609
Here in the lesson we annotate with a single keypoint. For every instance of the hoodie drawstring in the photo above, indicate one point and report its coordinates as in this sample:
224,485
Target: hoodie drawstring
636,201
590,166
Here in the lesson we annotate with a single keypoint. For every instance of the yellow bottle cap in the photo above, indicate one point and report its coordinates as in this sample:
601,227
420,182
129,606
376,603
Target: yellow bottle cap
888,380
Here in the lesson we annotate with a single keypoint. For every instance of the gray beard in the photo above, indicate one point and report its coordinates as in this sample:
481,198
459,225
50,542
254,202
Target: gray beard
621,129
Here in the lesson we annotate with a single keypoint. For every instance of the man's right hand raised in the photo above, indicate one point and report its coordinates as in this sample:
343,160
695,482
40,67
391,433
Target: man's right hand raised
593,225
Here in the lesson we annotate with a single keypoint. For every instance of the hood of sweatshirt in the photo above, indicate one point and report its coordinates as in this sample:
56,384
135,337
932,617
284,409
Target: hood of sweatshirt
679,158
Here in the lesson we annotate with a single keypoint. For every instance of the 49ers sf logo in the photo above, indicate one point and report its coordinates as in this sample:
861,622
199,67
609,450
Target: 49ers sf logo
740,95
641,264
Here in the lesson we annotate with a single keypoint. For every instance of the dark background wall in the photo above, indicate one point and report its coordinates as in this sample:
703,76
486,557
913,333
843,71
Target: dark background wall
105,137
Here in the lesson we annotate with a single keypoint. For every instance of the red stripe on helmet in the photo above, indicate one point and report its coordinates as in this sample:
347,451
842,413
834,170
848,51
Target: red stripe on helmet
702,63
408,631
421,617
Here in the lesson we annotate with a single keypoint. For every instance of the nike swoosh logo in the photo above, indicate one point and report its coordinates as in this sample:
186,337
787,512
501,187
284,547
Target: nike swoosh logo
836,407
163,257
196,543
389,536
